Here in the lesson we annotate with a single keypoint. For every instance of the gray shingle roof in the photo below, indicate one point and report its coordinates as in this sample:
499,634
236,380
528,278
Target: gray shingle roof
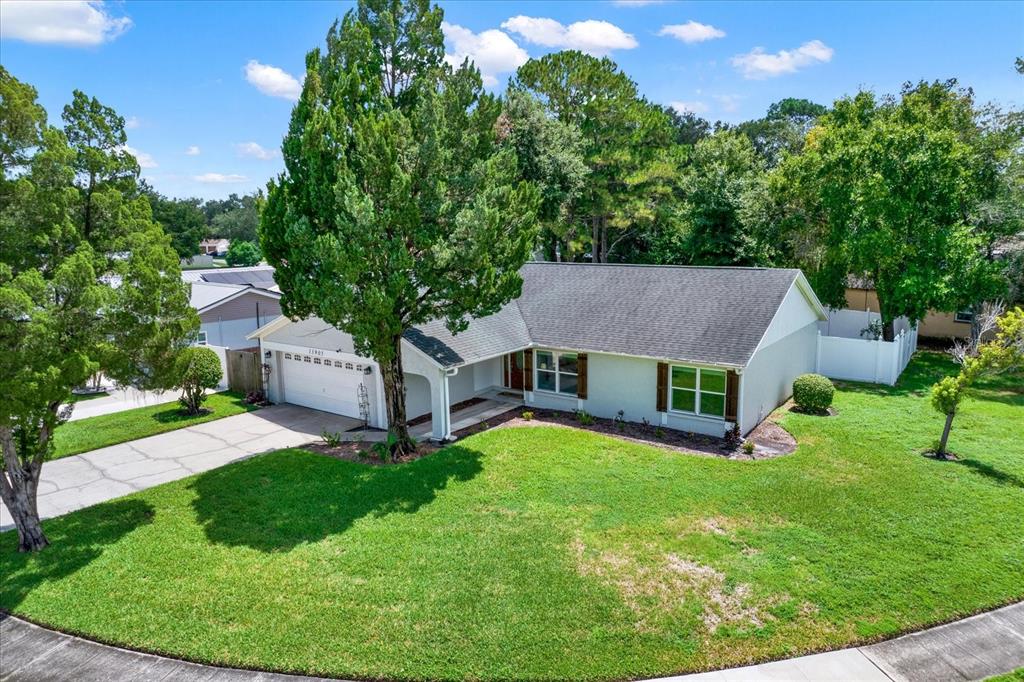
698,314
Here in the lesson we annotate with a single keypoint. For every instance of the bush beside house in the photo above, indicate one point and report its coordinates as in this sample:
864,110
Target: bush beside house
813,392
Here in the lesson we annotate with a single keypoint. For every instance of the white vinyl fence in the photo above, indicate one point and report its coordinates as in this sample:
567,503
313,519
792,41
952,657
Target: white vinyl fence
844,354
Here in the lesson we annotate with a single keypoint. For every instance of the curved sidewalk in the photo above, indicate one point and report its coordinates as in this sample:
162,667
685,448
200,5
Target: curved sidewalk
988,644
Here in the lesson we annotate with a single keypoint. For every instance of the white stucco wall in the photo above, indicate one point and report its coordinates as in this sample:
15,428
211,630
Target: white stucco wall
630,384
787,350
767,381
417,395
486,374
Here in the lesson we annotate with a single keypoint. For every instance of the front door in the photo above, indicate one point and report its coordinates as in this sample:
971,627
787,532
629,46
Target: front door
513,366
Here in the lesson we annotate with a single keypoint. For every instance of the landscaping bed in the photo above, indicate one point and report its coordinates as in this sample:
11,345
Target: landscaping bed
554,553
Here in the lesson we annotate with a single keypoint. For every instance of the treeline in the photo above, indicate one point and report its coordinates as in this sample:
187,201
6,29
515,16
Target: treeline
921,193
189,221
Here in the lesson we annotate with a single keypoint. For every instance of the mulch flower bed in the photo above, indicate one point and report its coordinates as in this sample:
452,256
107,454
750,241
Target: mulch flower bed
769,439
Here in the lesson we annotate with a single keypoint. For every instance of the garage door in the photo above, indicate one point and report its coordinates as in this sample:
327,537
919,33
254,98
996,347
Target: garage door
323,384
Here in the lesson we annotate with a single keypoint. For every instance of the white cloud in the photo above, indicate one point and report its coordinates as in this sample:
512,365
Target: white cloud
690,107
144,159
637,3
219,178
692,32
728,103
273,81
253,150
492,51
193,150
758,64
594,37
132,122
75,23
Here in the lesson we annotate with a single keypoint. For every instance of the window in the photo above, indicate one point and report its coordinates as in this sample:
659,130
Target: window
200,338
339,364
306,358
348,365
287,356
965,316
698,391
557,372
316,361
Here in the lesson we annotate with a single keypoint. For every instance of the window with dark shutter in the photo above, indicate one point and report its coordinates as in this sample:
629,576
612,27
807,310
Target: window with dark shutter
732,395
528,369
581,376
662,387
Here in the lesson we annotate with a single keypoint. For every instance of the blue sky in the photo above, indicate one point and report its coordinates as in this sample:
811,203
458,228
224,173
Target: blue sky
207,87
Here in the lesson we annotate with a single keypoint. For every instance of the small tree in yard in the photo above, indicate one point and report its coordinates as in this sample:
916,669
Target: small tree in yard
197,369
243,254
1004,354
87,281
398,204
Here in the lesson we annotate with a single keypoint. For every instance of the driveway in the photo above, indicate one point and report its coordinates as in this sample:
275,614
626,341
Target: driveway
90,478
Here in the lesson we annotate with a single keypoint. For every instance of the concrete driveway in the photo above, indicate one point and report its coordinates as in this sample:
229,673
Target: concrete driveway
90,478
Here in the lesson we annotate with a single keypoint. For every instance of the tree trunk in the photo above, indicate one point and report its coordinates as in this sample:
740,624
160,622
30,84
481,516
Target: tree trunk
18,489
604,240
888,329
941,452
595,239
394,398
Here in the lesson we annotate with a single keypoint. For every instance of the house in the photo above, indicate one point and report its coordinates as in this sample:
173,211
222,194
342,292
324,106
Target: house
689,348
230,310
861,295
214,247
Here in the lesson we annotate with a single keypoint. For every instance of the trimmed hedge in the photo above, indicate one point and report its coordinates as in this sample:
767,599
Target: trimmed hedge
813,392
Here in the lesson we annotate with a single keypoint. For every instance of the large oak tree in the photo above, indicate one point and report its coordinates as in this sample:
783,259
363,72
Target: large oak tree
398,204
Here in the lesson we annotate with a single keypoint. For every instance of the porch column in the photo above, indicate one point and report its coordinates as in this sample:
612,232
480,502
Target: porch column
440,417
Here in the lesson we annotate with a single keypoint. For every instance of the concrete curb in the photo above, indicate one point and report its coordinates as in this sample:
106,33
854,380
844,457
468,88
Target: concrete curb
974,648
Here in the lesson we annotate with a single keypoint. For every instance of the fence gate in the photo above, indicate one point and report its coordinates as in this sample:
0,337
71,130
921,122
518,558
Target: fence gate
245,374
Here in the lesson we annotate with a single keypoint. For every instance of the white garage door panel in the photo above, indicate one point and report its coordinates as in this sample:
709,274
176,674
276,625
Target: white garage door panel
322,387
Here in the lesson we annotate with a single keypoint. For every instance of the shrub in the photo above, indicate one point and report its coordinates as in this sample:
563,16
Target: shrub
527,415
659,432
332,440
813,392
584,418
196,369
748,447
242,253
733,436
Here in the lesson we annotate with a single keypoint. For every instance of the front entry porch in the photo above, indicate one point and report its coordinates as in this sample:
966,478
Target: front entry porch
494,401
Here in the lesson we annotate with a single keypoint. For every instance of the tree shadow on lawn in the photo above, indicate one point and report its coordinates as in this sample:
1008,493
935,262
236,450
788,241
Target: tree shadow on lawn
989,471
275,502
75,540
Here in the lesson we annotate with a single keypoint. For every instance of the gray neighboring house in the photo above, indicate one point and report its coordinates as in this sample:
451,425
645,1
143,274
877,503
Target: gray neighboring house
689,348
232,303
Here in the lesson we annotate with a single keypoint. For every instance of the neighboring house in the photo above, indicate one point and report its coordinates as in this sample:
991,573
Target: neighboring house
693,349
214,247
259,276
860,295
228,313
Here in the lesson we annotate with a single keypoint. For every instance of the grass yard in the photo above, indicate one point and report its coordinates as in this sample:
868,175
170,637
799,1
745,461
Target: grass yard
87,434
546,553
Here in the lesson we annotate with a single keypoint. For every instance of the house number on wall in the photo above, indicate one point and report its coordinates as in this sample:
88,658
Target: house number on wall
314,351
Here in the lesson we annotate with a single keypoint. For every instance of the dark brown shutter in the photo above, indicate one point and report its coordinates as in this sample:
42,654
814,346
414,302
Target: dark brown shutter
662,387
732,395
581,376
528,369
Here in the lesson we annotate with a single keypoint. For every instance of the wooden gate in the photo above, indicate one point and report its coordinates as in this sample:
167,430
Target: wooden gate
245,373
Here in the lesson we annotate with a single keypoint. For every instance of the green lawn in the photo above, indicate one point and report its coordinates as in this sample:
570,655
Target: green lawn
87,434
545,553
